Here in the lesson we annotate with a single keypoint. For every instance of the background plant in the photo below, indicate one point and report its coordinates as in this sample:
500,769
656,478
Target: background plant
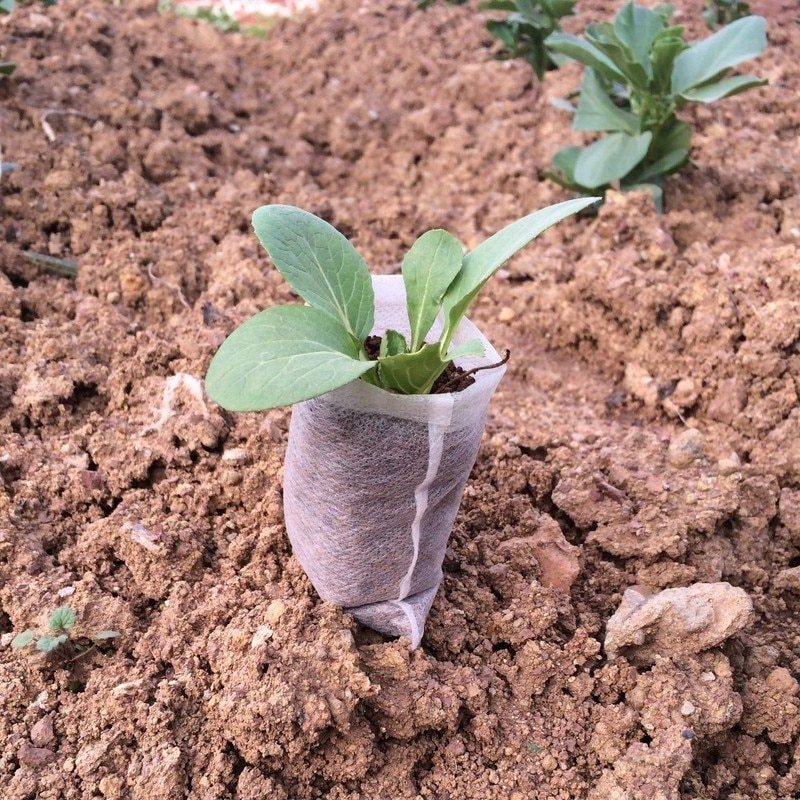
523,32
723,12
639,73
59,624
7,67
291,353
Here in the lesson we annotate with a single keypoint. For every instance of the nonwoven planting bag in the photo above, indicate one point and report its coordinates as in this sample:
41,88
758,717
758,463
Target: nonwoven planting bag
373,481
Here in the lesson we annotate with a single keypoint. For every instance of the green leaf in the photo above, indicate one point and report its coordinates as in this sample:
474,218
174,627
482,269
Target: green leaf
282,356
62,618
101,636
636,28
665,50
597,112
481,263
49,643
22,640
472,348
656,192
610,158
393,344
429,268
7,67
7,6
565,159
585,53
319,263
668,151
412,373
740,41
497,5
724,88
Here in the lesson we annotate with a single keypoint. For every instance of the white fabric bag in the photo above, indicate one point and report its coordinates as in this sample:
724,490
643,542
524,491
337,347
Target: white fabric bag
373,481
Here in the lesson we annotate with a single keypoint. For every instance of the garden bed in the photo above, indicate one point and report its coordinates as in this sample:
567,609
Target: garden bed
151,512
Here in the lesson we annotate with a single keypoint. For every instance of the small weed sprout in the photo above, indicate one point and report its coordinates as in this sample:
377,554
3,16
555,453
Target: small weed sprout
723,12
59,624
639,73
291,353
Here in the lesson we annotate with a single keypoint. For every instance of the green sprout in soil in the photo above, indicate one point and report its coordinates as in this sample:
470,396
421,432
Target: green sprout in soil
522,33
292,353
640,72
58,637
723,12
61,266
219,18
7,67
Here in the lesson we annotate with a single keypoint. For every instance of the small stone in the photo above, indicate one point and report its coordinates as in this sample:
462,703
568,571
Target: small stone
275,611
641,384
686,448
687,708
788,579
729,464
708,677
506,314
32,756
780,680
42,732
67,591
236,455
686,393
263,632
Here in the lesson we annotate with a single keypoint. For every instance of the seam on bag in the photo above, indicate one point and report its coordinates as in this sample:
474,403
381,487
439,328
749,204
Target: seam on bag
435,447
414,634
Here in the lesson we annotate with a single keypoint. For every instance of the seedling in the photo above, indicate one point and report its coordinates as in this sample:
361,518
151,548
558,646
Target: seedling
292,353
723,12
639,73
59,624
7,67
523,32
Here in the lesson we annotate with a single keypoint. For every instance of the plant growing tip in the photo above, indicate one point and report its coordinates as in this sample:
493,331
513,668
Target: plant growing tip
639,73
59,623
292,353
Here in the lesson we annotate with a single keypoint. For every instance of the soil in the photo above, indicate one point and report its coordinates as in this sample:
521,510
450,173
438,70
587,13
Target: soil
647,433
453,379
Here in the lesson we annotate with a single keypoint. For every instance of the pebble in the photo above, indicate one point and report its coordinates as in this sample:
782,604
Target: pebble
32,756
687,709
263,632
506,314
686,448
275,611
729,464
42,732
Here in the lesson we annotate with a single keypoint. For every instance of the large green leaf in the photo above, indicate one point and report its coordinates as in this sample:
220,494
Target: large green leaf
481,263
597,112
319,263
724,88
740,41
636,28
585,53
282,356
428,269
610,158
603,36
412,373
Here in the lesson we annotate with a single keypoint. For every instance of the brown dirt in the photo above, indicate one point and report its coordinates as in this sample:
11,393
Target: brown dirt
154,514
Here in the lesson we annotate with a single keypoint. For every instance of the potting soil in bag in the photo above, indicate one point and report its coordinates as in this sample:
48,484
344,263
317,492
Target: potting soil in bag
373,481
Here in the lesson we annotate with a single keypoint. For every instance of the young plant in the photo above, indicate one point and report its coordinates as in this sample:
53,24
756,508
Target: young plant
639,73
723,12
7,67
59,624
292,353
524,32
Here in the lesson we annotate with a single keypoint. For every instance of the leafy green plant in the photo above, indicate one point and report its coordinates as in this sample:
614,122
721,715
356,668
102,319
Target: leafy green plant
524,31
639,73
291,353
219,18
59,624
723,12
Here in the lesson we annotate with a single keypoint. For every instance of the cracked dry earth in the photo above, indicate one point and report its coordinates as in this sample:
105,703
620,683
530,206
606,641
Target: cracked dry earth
638,485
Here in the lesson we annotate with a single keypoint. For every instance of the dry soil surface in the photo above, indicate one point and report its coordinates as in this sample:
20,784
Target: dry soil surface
647,434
